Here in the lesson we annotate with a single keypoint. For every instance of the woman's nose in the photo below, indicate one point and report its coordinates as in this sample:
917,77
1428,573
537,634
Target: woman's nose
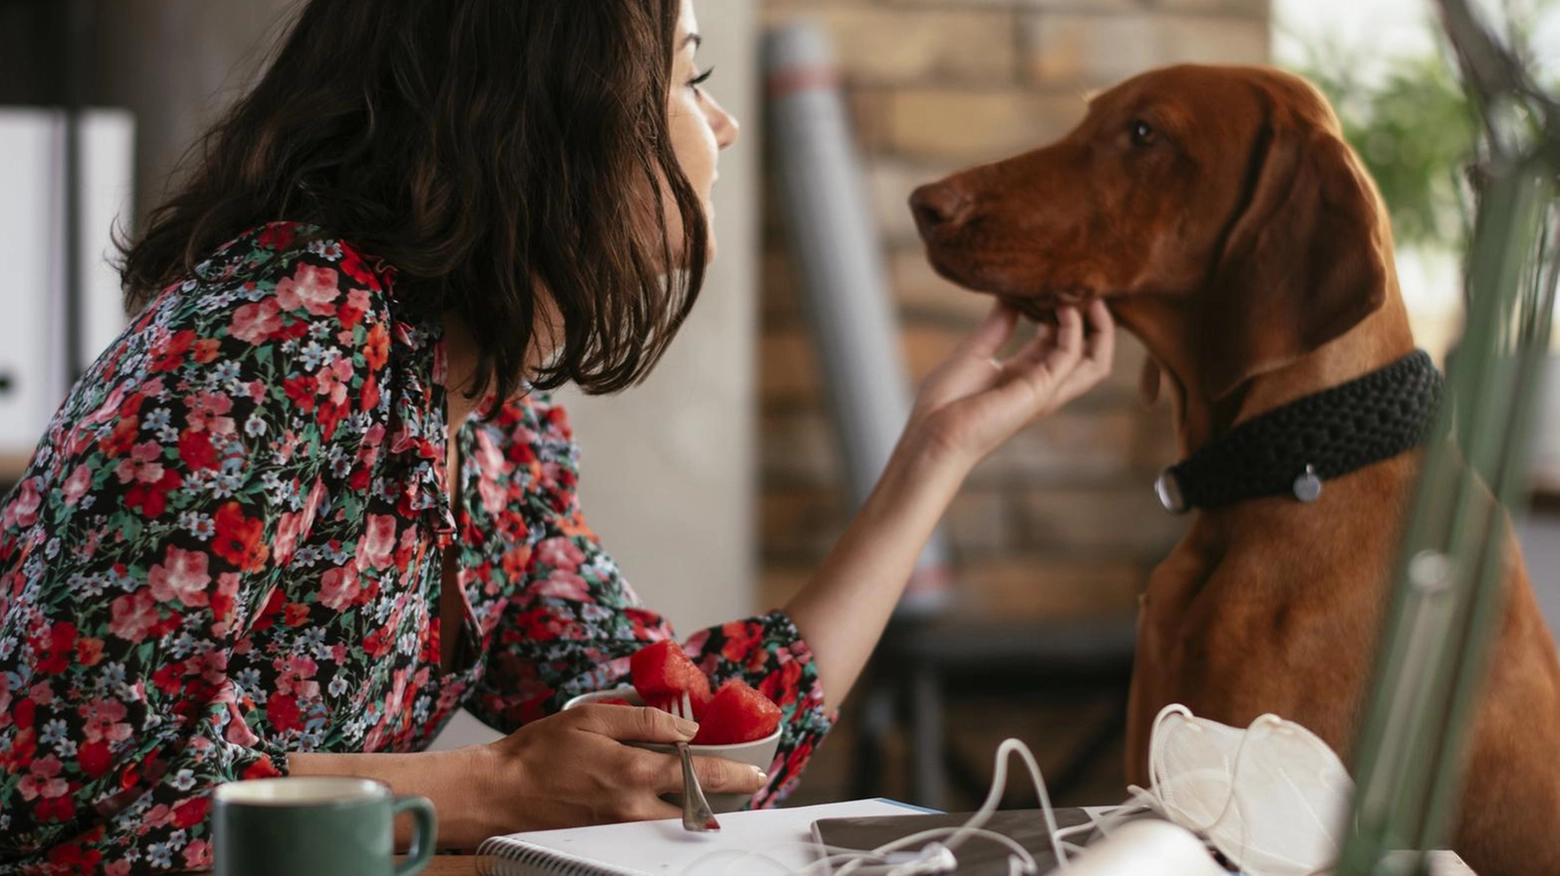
725,125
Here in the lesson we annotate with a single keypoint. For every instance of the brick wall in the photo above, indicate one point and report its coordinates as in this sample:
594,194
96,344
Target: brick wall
1061,522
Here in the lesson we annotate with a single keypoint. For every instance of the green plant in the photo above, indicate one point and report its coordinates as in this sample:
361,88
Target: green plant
1415,130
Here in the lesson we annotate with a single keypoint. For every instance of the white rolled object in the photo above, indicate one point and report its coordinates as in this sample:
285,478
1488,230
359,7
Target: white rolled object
840,264
1142,847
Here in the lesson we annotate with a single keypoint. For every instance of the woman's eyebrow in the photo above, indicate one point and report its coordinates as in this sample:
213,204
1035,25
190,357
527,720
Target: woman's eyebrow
695,39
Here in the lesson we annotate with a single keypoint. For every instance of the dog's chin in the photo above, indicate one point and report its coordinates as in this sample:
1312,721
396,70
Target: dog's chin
1034,297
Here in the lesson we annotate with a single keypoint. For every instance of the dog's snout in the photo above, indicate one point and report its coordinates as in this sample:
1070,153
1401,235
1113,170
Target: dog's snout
939,206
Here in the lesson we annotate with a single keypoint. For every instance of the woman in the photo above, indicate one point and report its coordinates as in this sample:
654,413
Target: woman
315,499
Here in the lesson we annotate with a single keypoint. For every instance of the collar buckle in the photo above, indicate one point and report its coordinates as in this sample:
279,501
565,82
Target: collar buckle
1168,488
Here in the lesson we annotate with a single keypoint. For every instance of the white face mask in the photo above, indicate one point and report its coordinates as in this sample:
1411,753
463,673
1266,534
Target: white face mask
1273,798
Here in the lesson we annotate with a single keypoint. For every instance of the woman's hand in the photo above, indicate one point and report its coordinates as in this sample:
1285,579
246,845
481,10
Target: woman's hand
573,769
565,770
974,402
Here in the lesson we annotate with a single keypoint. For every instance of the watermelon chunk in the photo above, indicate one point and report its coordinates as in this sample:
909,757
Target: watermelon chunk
662,673
737,713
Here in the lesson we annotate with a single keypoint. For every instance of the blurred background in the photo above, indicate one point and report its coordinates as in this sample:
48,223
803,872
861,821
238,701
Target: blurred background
720,484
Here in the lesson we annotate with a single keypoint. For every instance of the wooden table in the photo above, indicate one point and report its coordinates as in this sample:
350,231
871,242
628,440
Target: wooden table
451,865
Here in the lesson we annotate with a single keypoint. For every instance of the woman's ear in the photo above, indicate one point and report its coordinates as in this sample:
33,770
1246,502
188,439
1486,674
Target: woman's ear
1305,262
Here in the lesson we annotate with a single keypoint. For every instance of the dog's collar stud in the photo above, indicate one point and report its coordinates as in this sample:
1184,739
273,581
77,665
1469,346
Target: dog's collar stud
1308,487
1169,491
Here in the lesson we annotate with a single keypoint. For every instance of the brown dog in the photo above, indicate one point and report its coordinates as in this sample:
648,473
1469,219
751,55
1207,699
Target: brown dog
1232,230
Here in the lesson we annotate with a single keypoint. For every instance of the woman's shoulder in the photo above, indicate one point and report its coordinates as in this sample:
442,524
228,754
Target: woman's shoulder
283,286
534,418
277,247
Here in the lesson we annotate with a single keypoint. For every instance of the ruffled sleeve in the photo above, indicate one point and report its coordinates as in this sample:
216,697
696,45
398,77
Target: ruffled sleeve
573,621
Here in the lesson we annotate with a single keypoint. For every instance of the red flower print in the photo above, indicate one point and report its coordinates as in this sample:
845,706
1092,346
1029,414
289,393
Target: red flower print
781,686
120,439
310,288
288,527
72,858
273,607
54,647
197,855
152,499
95,758
23,509
300,390
239,539
143,465
378,643
352,310
339,588
208,412
376,347
352,265
171,355
134,616
77,484
740,639
180,576
104,720
43,779
195,451
296,614
58,808
564,585
560,553
188,813
282,711
257,323
261,769
378,542
207,350
222,600
277,236
368,396
89,651
335,379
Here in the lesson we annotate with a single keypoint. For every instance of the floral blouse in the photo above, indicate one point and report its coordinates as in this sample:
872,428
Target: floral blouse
229,546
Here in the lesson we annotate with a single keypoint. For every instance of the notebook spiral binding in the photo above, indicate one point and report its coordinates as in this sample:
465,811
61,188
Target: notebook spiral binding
499,856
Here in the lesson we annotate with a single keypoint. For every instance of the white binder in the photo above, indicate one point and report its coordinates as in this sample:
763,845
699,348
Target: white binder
33,372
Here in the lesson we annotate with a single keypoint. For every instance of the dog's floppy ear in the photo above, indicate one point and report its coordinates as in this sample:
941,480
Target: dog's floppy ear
1305,261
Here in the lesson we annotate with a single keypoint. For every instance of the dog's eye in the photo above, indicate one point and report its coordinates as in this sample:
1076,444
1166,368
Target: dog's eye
1142,134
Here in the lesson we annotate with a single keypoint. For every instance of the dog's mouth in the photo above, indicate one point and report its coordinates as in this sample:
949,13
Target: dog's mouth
1038,301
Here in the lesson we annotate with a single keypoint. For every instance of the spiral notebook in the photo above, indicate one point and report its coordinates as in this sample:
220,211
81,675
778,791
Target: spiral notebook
772,841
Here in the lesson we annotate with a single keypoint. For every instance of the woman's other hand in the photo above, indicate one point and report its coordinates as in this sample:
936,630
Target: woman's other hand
974,401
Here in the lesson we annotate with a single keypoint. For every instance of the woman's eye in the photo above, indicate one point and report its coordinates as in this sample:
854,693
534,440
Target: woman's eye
1142,134
702,78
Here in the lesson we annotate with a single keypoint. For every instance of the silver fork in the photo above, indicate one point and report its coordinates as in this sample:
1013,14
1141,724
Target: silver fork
697,815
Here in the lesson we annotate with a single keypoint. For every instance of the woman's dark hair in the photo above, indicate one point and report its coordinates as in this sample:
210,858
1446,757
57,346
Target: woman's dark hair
491,151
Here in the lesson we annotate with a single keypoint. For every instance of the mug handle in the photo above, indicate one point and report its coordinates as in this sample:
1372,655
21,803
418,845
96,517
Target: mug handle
424,832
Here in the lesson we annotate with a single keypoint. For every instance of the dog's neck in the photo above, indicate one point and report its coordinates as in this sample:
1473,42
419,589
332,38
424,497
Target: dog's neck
1170,332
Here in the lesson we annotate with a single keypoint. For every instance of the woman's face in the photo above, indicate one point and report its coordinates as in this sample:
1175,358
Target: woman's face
700,129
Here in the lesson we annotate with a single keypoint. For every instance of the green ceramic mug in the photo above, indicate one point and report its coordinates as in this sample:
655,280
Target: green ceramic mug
316,826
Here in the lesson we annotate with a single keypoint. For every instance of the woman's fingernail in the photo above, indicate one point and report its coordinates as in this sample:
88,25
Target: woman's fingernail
687,728
762,776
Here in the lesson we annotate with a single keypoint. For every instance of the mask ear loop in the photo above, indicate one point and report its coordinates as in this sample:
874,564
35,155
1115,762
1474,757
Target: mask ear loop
1160,782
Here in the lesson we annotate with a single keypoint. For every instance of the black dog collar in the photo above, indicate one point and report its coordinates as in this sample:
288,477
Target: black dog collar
1291,450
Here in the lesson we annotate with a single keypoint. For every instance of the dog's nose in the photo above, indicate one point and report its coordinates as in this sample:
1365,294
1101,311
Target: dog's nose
939,206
